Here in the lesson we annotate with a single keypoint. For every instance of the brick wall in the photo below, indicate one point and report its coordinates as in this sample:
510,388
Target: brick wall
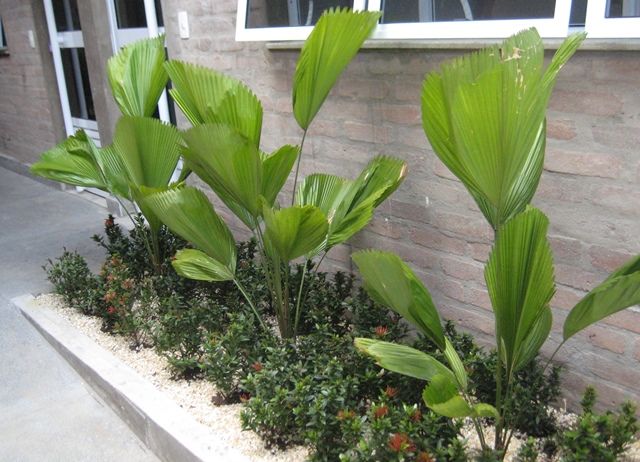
590,188
30,115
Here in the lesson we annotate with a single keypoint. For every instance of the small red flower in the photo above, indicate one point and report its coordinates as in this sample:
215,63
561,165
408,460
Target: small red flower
345,414
256,366
424,457
111,310
380,411
390,391
244,397
381,331
416,416
108,223
400,442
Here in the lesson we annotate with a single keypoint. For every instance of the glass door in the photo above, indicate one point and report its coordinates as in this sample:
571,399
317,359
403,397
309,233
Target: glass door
67,47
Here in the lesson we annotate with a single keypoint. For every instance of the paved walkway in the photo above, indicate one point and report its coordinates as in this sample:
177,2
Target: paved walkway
47,413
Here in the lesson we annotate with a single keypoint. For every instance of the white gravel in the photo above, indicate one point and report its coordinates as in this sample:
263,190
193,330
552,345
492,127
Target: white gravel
224,421
192,395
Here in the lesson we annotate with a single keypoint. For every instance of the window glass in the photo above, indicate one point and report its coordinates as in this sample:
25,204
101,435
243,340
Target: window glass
76,76
130,14
402,11
578,13
283,13
623,9
66,14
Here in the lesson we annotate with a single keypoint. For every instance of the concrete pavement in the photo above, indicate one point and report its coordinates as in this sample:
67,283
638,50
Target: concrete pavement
47,413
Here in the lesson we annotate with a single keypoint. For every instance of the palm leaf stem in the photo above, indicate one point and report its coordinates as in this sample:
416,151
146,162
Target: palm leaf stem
250,302
299,297
295,178
150,249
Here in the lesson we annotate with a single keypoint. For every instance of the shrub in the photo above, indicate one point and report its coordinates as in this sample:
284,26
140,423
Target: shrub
73,280
118,288
601,437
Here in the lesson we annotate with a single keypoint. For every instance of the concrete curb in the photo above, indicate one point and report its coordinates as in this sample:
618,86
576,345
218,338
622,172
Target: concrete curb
162,425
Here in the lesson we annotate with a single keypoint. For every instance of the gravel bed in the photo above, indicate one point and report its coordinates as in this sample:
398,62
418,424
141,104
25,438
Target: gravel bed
192,395
195,396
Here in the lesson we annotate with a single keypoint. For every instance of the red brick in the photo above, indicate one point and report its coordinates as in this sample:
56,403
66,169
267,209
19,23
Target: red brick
404,114
474,320
433,239
607,369
442,171
583,164
566,250
478,297
617,136
479,252
473,229
616,198
360,88
605,338
586,102
408,211
636,350
465,270
385,227
566,297
604,258
366,132
561,129
628,319
575,277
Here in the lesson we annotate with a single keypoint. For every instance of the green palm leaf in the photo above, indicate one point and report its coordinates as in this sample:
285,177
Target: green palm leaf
207,96
349,205
443,397
392,283
194,264
148,150
230,164
402,359
137,76
72,162
294,231
620,290
519,276
334,41
484,115
187,212
276,168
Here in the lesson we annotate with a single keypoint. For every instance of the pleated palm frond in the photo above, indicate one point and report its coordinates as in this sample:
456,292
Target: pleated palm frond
334,41
148,148
235,169
484,114
137,76
72,162
207,96
349,204
520,281
390,282
294,231
619,291
187,212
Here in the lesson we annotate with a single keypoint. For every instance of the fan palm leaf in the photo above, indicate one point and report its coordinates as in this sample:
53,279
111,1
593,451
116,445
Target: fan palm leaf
334,41
484,115
137,76
520,281
207,96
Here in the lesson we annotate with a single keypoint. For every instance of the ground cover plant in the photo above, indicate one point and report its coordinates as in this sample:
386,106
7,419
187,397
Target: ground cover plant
502,92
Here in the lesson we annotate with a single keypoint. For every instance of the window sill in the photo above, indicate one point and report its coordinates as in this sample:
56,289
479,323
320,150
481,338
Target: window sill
632,44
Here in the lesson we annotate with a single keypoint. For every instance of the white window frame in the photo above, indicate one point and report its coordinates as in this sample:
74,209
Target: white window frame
598,25
245,34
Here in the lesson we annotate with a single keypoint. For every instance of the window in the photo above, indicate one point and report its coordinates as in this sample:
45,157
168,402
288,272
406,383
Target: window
445,19
613,18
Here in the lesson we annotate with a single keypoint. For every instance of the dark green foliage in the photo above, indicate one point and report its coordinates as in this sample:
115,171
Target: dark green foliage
528,451
119,290
133,247
391,430
73,280
601,437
